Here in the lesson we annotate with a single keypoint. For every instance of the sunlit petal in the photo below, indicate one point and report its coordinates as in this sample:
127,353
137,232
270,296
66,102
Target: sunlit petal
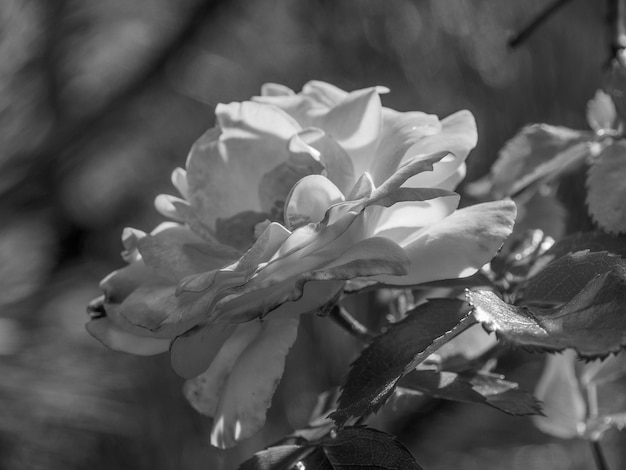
458,245
226,163
309,200
458,136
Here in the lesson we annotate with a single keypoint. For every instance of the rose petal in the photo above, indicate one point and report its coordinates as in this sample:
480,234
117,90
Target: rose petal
324,93
119,340
179,180
167,206
159,310
192,353
316,98
458,136
452,181
224,165
400,132
408,169
336,162
276,89
355,124
238,386
264,248
458,245
311,289
309,200
169,251
408,217
203,391
275,185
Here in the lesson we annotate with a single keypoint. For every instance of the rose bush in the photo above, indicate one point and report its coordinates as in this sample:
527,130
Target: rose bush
288,197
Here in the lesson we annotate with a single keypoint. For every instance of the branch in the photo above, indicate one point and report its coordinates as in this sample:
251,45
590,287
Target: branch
345,320
541,18
598,456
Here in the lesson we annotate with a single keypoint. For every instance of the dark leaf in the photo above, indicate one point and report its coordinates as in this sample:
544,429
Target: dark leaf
606,188
592,322
403,346
537,152
478,387
520,253
366,448
592,241
563,278
349,448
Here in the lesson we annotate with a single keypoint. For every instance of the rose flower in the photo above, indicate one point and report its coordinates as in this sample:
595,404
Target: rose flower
288,197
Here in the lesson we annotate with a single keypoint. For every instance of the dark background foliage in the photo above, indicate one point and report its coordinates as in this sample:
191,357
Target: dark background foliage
99,101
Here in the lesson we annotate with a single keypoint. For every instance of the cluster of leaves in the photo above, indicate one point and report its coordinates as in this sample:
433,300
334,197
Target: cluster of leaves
537,158
540,295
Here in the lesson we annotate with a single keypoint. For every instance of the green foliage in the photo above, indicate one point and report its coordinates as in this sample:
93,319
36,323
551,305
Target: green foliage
472,387
374,375
344,449
560,280
591,322
537,154
606,182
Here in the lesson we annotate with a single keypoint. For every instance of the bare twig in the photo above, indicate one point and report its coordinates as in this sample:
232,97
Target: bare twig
345,320
541,18
598,456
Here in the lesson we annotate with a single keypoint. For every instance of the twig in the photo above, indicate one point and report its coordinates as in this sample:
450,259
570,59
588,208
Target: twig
544,15
345,320
598,455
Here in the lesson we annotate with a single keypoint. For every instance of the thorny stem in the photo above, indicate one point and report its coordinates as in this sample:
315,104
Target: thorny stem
541,18
598,455
345,320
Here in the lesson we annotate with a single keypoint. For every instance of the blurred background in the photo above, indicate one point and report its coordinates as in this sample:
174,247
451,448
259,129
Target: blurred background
99,101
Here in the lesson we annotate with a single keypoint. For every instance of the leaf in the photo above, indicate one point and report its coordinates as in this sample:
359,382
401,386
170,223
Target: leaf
569,159
473,387
349,448
592,322
564,403
582,399
605,381
592,241
361,447
606,188
520,253
374,375
566,276
534,153
601,112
